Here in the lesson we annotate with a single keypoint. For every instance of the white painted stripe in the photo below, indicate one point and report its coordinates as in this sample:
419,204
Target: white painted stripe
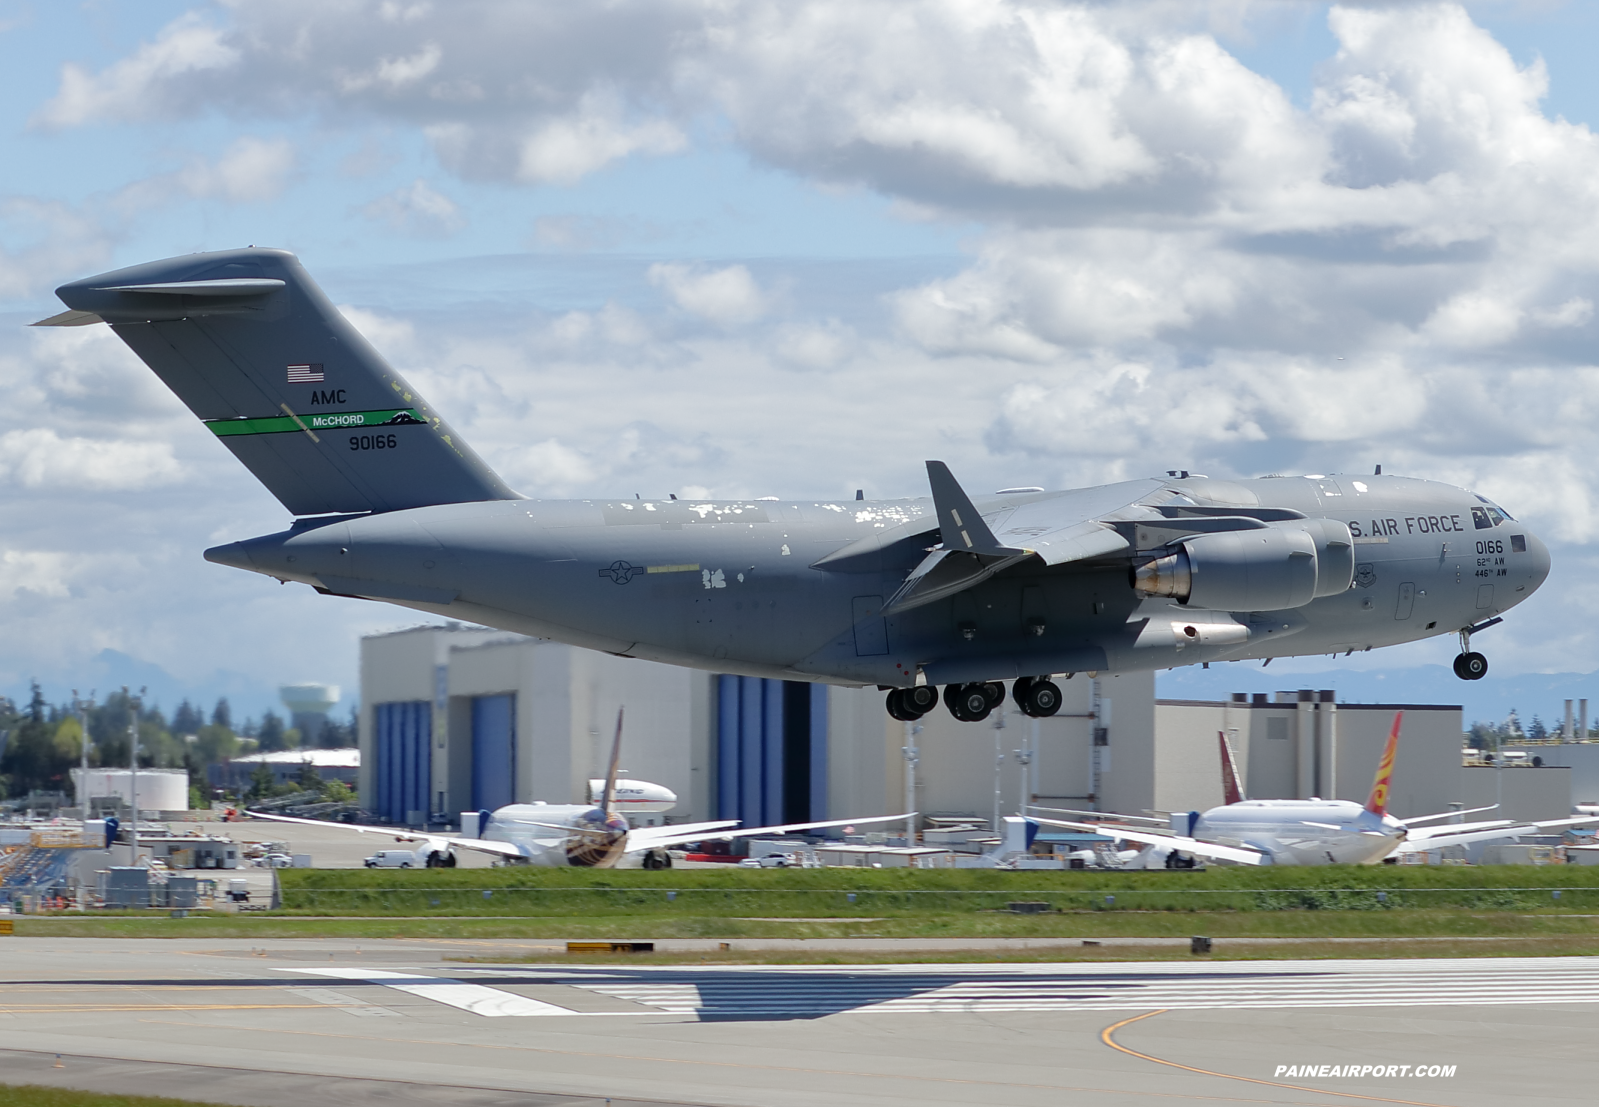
1323,987
476,998
343,1002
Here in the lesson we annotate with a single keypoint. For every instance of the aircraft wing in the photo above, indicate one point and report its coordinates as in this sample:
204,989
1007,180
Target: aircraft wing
439,843
1439,841
1446,814
659,837
1421,834
1241,854
1067,527
1102,814
1458,834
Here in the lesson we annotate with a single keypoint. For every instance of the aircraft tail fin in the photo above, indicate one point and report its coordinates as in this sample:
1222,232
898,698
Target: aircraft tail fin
1378,803
252,346
609,800
1232,790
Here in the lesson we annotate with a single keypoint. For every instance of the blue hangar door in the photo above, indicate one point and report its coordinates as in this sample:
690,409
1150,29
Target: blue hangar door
404,732
493,751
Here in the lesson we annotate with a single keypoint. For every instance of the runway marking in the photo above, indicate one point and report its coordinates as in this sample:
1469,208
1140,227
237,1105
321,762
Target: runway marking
764,994
1187,1097
348,1004
491,1003
1105,1036
81,1008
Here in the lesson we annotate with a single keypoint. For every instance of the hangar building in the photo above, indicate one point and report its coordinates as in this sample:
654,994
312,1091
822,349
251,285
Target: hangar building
459,719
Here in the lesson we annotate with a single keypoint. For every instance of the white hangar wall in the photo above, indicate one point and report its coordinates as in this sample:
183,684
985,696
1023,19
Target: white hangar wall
454,718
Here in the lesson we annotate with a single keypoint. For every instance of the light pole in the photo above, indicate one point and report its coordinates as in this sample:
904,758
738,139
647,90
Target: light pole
80,709
133,778
999,763
912,758
1024,757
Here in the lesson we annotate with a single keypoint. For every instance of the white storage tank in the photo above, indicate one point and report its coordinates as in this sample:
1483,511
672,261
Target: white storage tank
159,789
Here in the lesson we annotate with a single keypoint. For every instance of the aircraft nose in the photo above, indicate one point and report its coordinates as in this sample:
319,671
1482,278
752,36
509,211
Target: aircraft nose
1536,562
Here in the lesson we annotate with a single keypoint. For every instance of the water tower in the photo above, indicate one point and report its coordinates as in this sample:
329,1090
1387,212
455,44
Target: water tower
308,706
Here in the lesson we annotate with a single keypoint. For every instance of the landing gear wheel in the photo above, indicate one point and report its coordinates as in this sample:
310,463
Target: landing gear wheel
909,704
995,691
1018,690
969,703
897,708
657,859
1471,666
1040,699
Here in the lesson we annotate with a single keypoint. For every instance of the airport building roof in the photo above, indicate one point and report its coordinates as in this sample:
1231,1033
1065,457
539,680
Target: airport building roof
322,759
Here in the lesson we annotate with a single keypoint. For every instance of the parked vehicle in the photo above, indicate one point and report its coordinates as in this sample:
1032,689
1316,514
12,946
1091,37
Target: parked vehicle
391,859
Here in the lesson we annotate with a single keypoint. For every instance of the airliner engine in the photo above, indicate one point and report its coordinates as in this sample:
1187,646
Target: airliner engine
1263,569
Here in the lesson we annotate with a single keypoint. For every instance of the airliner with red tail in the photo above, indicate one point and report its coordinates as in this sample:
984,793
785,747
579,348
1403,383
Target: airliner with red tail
1302,831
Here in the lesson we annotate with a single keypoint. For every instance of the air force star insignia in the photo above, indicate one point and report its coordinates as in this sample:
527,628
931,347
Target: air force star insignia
621,572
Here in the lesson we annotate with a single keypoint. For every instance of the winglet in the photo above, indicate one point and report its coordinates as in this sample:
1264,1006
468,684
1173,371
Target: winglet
962,527
1378,803
609,799
1232,790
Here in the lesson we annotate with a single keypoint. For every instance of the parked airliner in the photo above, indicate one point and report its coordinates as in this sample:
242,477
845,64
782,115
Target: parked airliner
1305,831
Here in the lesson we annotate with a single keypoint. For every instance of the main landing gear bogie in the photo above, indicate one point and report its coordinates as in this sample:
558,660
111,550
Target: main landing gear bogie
1038,697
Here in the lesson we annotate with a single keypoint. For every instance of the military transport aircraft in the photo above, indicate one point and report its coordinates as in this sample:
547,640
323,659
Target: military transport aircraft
1304,831
391,504
594,835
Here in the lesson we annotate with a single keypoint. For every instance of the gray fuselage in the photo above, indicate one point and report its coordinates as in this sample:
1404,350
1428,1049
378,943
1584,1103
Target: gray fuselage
733,586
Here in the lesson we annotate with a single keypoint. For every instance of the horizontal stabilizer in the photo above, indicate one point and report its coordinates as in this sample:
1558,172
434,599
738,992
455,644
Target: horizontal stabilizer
69,319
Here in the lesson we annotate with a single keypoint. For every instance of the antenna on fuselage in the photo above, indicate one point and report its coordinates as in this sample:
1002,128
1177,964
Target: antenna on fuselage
610,775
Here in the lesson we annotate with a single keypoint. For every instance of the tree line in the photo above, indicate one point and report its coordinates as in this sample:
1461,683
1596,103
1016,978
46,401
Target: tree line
41,742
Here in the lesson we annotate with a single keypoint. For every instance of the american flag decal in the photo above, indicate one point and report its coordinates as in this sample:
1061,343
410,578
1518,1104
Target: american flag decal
306,374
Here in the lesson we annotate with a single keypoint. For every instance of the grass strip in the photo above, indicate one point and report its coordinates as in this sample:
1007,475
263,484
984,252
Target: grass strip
1308,925
877,892
37,1095
1240,950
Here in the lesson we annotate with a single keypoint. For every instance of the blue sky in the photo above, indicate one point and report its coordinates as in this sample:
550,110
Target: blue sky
951,234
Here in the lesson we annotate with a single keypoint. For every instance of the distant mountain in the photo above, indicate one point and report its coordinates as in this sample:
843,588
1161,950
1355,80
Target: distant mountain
248,696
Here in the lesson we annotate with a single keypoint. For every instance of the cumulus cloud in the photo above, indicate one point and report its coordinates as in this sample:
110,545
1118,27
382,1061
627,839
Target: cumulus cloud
417,209
43,573
40,458
144,84
727,296
1174,265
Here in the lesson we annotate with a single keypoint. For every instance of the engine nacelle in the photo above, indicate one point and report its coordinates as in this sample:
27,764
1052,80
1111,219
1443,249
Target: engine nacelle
1335,554
1267,569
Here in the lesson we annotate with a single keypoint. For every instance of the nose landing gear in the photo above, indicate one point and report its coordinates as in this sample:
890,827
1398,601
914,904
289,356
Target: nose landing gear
1470,665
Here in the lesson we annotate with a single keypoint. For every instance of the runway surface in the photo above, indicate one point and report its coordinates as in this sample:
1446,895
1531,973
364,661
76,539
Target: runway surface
306,1022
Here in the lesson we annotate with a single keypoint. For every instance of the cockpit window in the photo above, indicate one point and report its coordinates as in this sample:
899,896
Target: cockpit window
1490,516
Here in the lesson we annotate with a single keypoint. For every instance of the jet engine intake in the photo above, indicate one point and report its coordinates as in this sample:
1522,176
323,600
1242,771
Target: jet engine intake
1270,569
